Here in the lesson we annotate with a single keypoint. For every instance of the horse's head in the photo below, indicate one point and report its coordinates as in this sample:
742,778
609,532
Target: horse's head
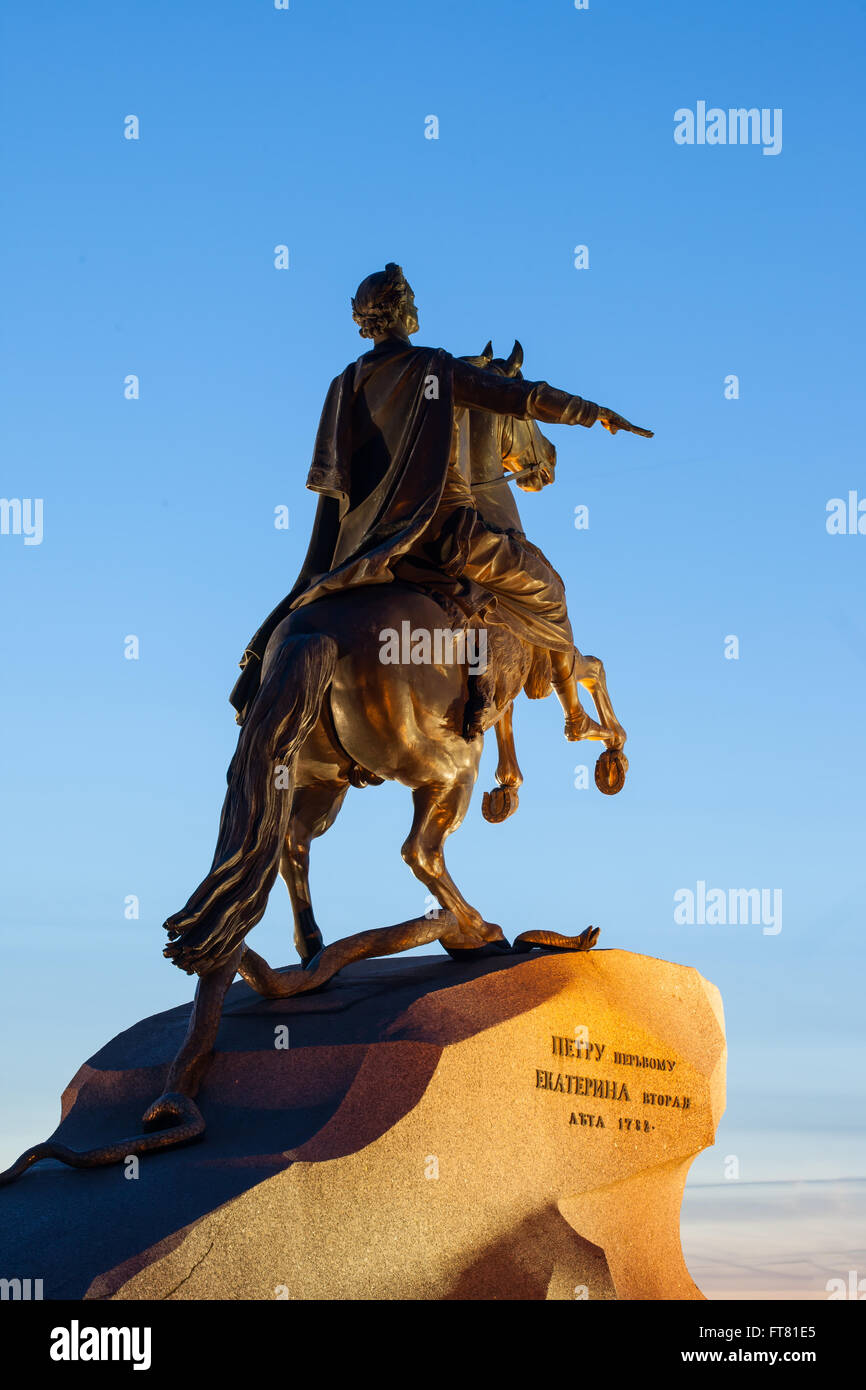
522,444
484,358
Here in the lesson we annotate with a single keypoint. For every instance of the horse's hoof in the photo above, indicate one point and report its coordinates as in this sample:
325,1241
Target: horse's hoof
610,771
474,942
499,804
490,948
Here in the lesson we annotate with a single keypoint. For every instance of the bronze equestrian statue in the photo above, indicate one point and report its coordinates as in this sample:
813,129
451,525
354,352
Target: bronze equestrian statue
416,533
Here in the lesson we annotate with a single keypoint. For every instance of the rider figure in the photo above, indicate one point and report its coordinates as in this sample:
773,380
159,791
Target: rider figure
390,468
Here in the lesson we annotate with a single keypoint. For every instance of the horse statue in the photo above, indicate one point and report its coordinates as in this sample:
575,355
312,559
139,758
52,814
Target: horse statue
330,714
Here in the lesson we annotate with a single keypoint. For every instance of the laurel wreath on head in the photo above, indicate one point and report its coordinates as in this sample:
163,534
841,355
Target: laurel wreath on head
380,307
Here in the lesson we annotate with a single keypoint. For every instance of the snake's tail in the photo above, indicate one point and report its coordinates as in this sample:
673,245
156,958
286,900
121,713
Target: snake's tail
187,1127
555,941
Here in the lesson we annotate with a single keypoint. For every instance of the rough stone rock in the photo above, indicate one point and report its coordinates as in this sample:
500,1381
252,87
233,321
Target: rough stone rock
515,1128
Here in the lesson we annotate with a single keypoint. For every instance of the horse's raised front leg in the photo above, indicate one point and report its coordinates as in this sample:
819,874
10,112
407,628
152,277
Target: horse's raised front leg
439,809
578,724
499,804
612,766
314,810
568,673
589,671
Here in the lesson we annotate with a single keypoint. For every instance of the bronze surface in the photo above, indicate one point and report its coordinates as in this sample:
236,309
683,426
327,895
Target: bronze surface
416,524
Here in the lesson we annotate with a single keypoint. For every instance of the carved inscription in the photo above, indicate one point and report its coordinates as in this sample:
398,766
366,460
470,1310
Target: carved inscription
593,1085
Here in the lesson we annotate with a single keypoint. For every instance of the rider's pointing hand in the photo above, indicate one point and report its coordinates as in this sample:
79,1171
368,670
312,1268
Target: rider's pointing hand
613,422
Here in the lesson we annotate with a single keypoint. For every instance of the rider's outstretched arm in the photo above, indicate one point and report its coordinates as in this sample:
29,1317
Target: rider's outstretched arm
531,400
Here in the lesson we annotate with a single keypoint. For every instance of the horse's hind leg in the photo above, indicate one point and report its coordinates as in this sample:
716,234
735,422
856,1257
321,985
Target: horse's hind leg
439,809
499,804
314,810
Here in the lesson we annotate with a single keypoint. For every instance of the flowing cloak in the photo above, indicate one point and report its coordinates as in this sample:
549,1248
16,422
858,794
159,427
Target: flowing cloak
379,466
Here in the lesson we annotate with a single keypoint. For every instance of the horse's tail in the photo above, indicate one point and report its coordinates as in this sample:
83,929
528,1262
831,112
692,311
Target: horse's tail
255,814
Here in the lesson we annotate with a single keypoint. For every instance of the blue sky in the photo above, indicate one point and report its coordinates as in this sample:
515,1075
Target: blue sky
155,257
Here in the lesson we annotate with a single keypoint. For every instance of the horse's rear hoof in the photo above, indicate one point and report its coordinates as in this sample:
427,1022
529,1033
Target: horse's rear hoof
499,804
610,771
